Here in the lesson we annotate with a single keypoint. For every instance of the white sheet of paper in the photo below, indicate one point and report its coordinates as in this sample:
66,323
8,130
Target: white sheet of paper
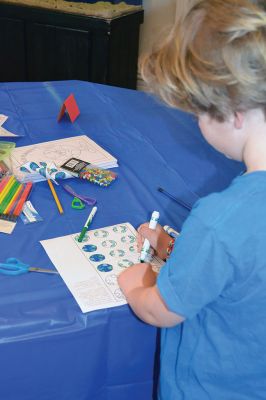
59,151
90,268
4,132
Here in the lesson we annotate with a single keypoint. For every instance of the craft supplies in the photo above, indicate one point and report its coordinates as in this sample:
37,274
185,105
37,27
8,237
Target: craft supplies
58,152
4,170
87,224
85,199
178,201
77,204
23,198
12,266
59,206
171,231
13,195
5,149
144,254
88,171
29,214
34,172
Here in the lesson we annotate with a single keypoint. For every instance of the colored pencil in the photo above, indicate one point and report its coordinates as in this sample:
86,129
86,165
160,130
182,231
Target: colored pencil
3,183
55,196
7,188
22,199
14,199
7,199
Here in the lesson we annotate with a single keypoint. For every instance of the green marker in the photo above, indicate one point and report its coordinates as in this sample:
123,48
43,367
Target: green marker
87,224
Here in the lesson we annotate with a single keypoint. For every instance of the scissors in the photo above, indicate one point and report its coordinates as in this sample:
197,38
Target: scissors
13,266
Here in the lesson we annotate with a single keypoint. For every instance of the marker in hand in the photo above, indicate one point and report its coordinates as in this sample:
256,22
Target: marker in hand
146,245
87,224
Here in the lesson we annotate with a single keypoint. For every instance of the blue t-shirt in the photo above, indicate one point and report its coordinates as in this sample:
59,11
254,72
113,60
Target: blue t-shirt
216,279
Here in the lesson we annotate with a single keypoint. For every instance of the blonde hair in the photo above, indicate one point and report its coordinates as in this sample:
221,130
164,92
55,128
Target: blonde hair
214,59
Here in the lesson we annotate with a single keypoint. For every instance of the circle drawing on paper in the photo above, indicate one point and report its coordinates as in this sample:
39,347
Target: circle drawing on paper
128,239
119,295
97,257
117,253
89,248
133,249
105,267
120,228
111,280
101,233
125,263
109,244
85,239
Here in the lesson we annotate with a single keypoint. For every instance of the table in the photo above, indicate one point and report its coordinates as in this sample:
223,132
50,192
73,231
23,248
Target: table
49,349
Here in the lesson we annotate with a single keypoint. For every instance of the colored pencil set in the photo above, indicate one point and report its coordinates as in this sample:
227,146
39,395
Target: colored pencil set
13,196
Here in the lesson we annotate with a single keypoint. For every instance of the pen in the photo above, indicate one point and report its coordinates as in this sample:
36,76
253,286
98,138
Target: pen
178,201
87,224
146,245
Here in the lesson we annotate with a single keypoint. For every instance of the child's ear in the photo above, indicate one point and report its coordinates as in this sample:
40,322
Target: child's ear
238,119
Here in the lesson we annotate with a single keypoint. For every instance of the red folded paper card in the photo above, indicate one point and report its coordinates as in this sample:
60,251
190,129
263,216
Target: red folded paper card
69,105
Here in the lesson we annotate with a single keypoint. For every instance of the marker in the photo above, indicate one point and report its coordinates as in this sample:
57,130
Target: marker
87,224
146,245
171,232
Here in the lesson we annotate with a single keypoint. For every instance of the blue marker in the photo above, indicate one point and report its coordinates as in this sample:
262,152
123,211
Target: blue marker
146,245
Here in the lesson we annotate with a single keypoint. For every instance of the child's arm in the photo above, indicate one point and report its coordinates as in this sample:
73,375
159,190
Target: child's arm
138,284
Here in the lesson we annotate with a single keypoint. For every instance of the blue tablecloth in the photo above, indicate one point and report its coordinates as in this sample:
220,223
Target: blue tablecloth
49,350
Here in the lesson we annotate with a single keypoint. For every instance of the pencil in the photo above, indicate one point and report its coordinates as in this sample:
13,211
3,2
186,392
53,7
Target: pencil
7,188
22,199
9,196
55,196
13,200
3,183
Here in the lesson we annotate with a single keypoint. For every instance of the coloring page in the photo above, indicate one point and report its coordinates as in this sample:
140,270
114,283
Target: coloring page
90,268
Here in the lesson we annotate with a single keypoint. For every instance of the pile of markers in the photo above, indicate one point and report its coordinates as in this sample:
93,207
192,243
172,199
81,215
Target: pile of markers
13,196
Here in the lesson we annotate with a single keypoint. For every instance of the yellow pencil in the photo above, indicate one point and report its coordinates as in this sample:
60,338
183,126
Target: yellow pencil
7,187
55,196
12,201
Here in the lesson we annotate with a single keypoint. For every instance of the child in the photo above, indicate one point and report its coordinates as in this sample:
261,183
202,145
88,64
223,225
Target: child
210,296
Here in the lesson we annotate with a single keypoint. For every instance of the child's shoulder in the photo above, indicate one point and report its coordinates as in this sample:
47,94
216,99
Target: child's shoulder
243,198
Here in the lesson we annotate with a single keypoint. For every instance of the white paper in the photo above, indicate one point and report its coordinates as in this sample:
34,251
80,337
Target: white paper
94,283
59,151
4,132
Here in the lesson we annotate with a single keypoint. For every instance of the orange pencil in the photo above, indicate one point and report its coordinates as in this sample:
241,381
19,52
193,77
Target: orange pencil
22,199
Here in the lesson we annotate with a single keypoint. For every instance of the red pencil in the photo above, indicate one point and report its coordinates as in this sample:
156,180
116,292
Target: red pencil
22,199
4,182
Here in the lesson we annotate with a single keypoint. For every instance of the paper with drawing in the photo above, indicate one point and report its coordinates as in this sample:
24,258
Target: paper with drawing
59,151
90,268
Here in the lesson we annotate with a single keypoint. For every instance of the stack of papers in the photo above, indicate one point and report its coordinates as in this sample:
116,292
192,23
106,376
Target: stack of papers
58,152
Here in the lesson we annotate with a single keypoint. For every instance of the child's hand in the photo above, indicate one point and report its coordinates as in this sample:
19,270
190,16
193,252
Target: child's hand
158,239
